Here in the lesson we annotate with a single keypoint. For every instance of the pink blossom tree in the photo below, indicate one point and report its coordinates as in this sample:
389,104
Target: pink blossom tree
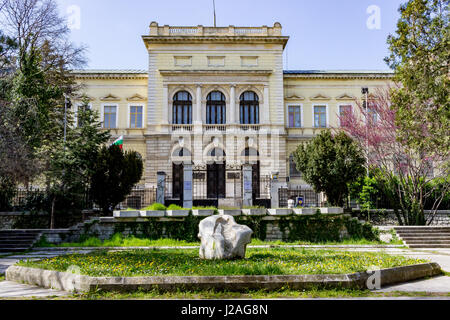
409,176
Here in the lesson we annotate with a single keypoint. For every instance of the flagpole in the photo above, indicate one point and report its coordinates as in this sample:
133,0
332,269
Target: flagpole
214,5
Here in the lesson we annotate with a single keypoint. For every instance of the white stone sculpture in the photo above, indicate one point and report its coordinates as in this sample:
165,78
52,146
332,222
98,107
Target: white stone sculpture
222,238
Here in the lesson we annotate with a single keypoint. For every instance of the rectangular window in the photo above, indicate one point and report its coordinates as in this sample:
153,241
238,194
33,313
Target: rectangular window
109,117
320,116
293,172
294,117
372,115
78,113
344,110
136,116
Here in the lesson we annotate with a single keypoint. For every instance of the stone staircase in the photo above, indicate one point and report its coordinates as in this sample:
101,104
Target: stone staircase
424,236
18,240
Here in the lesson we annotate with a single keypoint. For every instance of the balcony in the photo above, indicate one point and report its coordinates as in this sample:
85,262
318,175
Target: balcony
182,127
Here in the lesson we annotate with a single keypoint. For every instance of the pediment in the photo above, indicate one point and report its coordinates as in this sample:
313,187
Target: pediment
295,97
345,96
320,96
136,97
110,97
84,97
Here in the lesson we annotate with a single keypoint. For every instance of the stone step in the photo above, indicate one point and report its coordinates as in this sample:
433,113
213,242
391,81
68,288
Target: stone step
16,245
18,237
413,246
423,234
9,250
412,238
427,242
16,241
20,231
425,229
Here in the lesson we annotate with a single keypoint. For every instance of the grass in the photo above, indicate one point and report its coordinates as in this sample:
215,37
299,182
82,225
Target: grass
252,294
274,261
2,278
119,241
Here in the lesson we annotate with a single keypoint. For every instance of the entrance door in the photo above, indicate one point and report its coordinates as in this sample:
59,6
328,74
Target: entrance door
177,182
255,181
216,181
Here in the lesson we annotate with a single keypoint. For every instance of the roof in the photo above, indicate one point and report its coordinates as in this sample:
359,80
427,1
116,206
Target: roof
311,74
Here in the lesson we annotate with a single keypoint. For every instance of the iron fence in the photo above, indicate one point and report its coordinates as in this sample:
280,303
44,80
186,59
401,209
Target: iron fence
139,198
310,197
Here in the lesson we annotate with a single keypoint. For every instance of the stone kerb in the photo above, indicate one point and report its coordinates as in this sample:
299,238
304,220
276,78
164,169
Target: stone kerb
81,283
232,212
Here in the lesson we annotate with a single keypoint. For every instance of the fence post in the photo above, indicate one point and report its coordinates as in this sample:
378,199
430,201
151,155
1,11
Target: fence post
275,186
248,187
161,185
187,187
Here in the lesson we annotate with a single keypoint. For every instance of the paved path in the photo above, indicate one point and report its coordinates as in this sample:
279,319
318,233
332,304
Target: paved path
440,284
12,290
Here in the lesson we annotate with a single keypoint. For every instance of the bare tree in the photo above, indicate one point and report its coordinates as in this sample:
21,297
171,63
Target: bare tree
37,24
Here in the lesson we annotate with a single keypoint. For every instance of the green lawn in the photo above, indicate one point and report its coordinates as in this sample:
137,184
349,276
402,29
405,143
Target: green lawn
251,294
273,261
118,241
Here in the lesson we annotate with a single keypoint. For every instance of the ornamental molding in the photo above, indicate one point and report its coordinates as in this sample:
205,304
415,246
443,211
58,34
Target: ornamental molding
345,96
110,97
84,97
295,97
320,96
136,97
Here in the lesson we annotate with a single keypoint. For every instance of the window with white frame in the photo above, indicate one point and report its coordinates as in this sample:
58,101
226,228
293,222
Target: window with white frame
344,111
136,116
294,116
79,109
110,117
320,116
293,171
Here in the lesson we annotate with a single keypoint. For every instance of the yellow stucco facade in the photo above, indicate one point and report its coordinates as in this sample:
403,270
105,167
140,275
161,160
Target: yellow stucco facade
232,61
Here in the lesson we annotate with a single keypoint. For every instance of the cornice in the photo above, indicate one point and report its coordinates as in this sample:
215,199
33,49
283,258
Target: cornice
216,39
349,75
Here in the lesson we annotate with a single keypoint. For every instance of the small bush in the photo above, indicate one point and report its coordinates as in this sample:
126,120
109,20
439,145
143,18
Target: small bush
176,207
155,207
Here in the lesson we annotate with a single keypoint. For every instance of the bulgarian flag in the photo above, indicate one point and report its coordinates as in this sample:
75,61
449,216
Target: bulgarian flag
118,142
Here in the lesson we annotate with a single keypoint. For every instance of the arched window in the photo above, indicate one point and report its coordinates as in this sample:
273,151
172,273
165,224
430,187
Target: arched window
215,108
182,108
250,152
249,108
216,152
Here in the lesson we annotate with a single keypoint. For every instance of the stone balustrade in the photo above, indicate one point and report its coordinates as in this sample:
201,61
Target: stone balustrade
175,31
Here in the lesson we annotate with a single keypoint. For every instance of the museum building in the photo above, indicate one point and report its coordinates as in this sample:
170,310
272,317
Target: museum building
215,106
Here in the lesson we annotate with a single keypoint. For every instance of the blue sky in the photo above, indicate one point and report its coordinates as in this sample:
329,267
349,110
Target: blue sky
324,34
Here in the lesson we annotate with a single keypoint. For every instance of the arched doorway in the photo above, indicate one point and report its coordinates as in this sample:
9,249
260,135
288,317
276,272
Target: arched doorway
216,187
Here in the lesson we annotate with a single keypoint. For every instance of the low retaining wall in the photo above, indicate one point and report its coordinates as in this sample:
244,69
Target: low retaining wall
105,227
81,283
388,218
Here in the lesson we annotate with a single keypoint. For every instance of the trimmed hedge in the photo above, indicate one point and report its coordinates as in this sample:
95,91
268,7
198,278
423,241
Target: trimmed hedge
315,228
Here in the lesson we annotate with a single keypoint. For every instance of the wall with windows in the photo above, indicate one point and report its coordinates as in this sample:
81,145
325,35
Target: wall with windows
314,102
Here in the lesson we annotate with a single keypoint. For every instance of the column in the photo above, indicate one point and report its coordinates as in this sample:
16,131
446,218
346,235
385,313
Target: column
187,187
248,187
266,110
160,188
232,112
198,107
165,105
